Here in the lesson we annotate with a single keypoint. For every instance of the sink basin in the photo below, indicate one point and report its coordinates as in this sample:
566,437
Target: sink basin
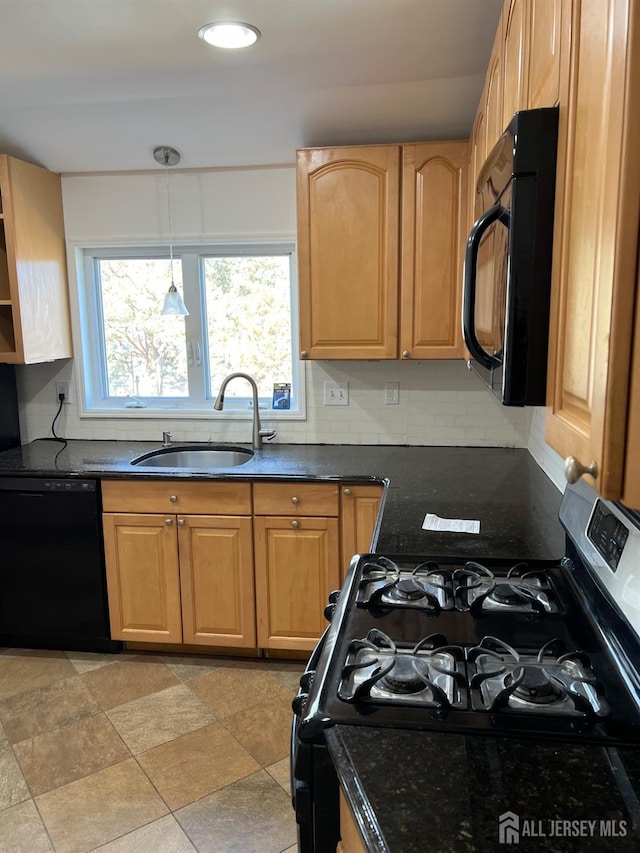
194,457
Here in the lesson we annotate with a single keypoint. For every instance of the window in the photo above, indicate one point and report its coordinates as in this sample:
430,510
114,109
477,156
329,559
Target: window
242,317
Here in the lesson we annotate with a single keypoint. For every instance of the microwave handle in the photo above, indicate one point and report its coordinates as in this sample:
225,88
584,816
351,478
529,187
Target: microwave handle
469,284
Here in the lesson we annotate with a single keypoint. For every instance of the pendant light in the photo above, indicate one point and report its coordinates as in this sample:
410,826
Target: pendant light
173,301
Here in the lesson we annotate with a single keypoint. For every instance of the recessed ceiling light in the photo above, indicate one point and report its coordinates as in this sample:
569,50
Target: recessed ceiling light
229,34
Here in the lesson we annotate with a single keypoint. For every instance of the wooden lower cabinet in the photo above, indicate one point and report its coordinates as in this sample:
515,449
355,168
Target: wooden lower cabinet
180,579
350,838
143,577
216,576
359,508
297,566
179,576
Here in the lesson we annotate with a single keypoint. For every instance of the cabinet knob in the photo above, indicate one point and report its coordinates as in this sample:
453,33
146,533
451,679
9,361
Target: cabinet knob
295,500
406,353
168,522
346,492
304,354
295,524
173,499
574,469
181,522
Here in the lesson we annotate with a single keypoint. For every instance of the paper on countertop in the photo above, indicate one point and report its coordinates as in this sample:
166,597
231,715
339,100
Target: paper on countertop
450,525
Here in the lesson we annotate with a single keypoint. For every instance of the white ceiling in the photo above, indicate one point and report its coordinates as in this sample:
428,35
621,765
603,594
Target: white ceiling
95,85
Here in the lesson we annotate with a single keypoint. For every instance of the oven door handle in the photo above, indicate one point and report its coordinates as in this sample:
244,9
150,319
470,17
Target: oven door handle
495,213
300,768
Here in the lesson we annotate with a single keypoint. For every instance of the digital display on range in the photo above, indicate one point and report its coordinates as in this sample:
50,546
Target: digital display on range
608,534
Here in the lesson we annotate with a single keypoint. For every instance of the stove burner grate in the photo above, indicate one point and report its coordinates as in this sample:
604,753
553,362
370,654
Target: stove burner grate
385,584
430,674
549,681
521,590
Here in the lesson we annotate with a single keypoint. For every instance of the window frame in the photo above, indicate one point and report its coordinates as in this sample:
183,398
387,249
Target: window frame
89,335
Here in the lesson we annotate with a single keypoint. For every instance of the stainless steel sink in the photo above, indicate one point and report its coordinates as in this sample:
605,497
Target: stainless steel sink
194,457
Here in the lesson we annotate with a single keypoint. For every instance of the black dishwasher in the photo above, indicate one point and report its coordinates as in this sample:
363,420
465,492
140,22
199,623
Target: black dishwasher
52,576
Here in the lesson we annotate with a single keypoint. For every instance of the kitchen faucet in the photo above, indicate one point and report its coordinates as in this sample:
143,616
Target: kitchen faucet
258,432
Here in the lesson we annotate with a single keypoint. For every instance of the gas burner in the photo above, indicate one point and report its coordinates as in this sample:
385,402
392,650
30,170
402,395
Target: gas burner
378,671
533,685
385,583
549,681
519,590
403,677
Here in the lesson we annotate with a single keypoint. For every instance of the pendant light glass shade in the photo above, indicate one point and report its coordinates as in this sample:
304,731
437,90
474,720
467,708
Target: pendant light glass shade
173,301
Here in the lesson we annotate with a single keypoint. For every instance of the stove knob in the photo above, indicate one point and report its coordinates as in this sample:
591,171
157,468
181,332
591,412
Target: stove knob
329,610
298,703
305,680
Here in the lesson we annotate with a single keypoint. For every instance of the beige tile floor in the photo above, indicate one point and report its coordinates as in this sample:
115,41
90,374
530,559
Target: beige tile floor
144,753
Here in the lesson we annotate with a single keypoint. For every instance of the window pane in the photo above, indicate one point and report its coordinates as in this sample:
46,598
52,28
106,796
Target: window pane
145,352
248,305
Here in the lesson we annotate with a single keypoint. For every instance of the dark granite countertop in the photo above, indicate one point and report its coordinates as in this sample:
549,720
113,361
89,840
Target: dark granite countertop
515,502
431,792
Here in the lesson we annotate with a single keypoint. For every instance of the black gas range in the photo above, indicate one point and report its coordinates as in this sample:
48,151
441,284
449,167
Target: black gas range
508,649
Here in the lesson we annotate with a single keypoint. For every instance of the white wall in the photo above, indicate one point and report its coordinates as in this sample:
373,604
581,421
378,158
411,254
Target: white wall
441,403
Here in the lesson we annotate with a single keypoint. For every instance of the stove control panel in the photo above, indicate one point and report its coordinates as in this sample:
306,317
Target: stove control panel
608,534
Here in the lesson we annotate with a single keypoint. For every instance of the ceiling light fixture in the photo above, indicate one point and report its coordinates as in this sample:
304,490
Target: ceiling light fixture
229,34
173,301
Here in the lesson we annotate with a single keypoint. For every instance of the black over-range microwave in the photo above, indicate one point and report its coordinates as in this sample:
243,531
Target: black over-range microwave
507,268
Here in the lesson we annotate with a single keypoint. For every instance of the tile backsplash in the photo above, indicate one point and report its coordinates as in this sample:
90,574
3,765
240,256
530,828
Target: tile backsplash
440,403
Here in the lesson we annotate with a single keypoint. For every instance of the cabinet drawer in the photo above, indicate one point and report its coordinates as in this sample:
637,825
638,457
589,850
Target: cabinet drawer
175,496
295,498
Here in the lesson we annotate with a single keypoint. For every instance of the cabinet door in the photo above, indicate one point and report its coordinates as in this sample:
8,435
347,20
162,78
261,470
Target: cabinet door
515,59
493,90
548,19
350,838
34,300
477,154
631,492
216,575
595,249
359,513
297,566
143,582
434,192
348,200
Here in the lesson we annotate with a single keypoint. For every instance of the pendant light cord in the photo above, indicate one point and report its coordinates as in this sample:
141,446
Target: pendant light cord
166,169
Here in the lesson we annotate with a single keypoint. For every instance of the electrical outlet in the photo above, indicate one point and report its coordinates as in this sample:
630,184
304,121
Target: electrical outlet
62,387
391,393
336,393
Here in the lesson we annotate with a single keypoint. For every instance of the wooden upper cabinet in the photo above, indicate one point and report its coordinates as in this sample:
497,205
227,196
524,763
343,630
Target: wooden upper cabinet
348,219
434,198
493,91
631,489
354,219
515,58
595,248
477,155
34,300
548,26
